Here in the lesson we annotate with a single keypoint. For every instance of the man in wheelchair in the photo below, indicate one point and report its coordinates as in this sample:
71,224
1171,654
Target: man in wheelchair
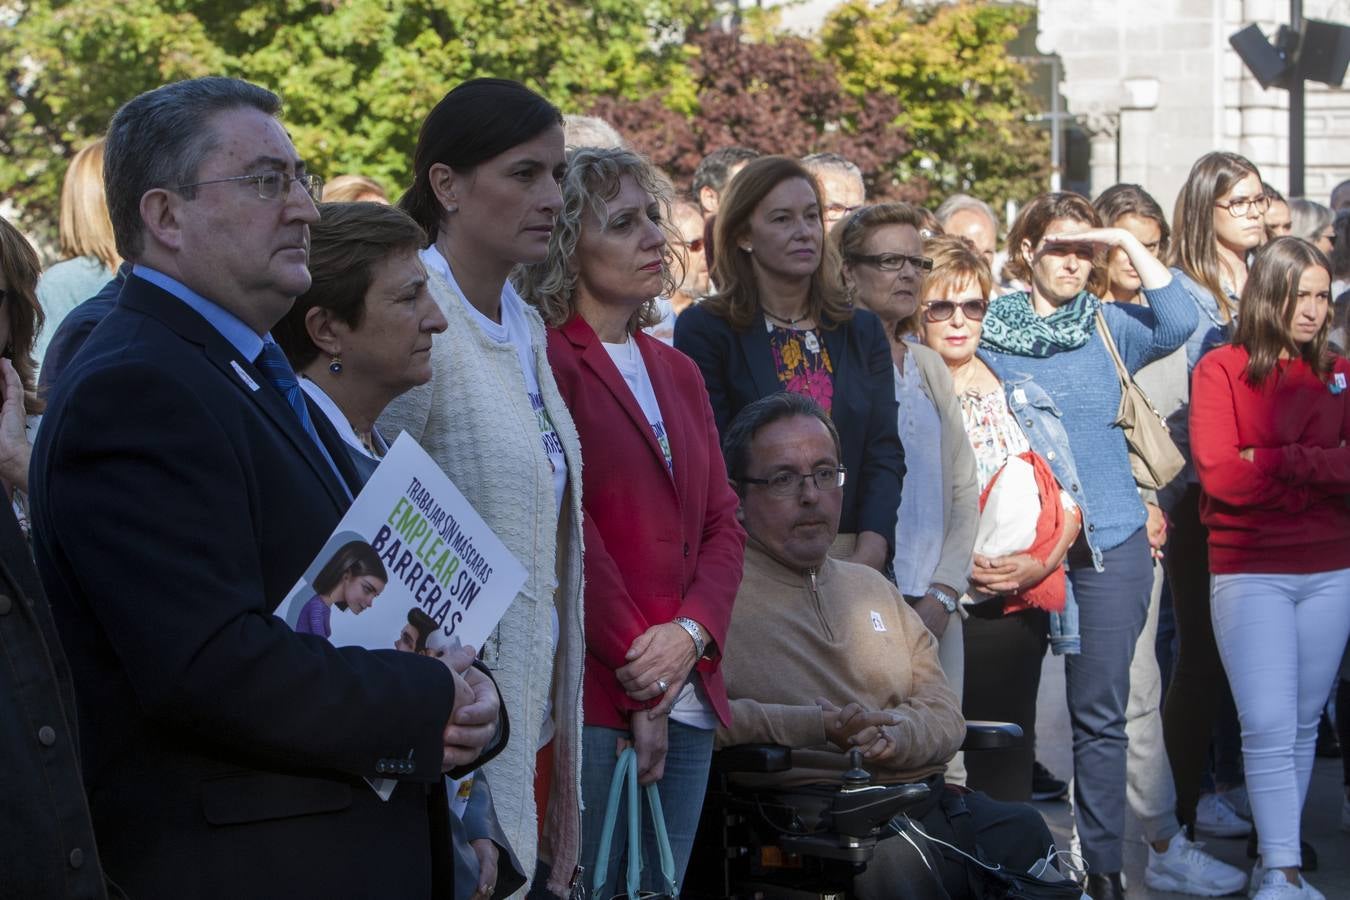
824,656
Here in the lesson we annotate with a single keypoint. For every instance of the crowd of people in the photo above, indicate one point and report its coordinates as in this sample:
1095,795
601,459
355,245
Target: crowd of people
781,466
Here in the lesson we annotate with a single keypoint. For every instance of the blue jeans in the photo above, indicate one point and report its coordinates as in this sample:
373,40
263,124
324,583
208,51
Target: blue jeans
681,788
1112,606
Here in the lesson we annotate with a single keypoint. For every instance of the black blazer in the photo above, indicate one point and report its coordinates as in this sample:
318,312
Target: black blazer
45,823
738,368
176,502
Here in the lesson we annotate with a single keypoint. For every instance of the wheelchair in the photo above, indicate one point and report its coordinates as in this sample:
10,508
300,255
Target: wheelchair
806,842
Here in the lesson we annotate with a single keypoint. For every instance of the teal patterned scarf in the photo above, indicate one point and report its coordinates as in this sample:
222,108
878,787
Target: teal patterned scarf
1012,326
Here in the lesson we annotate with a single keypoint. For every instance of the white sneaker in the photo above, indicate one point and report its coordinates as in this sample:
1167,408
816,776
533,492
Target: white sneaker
1186,869
1274,886
1237,801
1216,818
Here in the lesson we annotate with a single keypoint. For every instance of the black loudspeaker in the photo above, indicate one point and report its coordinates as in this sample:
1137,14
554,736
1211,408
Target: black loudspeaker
1324,52
1264,61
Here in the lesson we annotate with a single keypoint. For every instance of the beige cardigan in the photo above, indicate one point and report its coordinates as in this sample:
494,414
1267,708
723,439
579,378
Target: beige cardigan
843,633
474,418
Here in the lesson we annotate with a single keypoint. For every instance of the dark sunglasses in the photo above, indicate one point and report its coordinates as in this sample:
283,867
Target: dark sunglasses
942,310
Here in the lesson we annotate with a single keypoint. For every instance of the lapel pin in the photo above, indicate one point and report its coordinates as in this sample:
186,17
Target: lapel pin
243,376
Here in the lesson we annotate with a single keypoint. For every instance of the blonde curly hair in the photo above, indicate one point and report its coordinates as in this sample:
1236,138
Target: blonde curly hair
591,182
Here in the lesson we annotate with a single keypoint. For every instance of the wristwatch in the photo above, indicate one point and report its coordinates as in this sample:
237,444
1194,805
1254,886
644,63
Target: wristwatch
695,631
946,598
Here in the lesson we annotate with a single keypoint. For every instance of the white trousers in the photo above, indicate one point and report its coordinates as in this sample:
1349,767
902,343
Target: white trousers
1280,638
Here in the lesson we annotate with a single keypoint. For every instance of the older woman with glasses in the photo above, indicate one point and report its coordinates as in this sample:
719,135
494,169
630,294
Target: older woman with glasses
780,321
883,269
1005,637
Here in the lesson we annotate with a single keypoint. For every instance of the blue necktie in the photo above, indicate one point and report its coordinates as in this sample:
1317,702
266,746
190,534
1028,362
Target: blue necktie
274,366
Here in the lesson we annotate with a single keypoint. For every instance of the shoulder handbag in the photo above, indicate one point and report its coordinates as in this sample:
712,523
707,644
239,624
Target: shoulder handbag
1154,459
625,782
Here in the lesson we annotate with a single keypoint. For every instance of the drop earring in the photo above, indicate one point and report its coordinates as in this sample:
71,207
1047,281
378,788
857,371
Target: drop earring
336,365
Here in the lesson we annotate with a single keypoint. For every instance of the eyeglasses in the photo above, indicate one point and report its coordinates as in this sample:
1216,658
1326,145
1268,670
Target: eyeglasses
271,185
694,246
789,484
893,262
942,310
1239,208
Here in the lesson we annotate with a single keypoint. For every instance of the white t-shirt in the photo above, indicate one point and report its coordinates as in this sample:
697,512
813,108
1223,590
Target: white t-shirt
692,707
628,360
513,329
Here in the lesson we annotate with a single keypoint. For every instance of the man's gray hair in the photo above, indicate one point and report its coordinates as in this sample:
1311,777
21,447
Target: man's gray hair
591,131
817,162
965,203
740,434
160,139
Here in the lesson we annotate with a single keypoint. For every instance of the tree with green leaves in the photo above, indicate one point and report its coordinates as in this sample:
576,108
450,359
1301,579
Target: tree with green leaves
357,76
964,99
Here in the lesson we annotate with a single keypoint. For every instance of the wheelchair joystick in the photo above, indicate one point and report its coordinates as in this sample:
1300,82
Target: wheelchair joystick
856,776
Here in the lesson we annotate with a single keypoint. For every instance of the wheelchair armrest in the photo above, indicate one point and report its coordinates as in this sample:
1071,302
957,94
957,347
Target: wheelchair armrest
991,735
762,759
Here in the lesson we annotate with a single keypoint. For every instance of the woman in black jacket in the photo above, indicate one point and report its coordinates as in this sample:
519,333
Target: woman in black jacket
780,321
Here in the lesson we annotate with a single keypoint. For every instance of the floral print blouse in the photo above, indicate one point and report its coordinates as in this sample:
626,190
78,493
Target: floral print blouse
992,430
802,363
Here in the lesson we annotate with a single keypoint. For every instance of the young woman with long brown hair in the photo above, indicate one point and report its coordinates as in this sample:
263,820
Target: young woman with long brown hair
1270,418
1218,222
780,321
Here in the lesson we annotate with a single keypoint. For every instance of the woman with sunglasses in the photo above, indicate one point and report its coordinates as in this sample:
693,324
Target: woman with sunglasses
1004,638
1050,333
779,321
883,269
1219,220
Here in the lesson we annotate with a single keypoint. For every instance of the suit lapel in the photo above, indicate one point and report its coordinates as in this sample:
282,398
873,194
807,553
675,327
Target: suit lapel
240,372
596,358
754,343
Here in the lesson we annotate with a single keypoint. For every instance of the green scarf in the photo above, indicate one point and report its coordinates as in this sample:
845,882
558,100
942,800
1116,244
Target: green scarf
1012,325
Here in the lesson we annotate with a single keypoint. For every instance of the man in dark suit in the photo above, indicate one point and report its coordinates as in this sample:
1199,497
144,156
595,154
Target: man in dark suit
180,487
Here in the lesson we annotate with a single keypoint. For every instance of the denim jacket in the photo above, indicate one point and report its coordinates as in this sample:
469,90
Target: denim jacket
1039,418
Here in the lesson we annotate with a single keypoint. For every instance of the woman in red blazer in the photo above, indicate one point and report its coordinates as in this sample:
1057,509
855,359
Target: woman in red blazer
663,549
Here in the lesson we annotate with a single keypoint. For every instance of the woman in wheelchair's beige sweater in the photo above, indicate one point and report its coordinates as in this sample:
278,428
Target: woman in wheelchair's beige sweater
825,656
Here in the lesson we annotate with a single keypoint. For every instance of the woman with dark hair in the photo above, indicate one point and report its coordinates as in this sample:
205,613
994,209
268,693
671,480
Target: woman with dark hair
19,324
1270,418
351,580
362,334
780,321
1219,220
1175,862
663,547
1052,334
487,166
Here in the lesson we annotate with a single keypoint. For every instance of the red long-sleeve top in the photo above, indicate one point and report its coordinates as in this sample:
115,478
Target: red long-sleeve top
1287,511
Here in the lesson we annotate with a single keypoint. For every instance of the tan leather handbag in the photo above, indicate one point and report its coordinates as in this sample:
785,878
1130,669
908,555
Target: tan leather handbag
1154,458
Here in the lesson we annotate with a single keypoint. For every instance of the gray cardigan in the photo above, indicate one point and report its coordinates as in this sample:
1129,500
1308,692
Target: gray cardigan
960,487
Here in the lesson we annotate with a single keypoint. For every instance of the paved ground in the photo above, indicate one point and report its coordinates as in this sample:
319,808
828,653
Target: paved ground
1321,818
